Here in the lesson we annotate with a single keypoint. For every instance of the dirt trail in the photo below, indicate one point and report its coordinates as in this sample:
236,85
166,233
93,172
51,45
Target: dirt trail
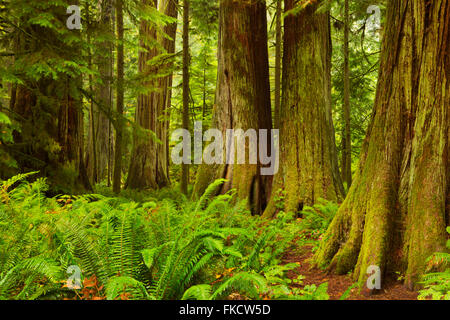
338,284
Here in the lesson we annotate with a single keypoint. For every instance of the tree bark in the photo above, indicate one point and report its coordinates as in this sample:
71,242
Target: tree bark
242,96
117,178
99,122
186,58
347,143
308,158
149,167
278,57
395,214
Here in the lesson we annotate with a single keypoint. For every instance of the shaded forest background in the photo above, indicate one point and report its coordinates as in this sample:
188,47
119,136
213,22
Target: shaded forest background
358,89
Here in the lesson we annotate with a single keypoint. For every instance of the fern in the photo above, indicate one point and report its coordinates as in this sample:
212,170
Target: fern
437,284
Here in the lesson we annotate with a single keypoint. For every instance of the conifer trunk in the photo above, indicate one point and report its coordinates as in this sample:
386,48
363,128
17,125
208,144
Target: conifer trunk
242,95
347,143
308,159
149,166
278,57
98,133
117,178
186,58
395,214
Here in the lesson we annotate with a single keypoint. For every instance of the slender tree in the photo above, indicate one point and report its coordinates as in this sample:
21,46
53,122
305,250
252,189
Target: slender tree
119,100
101,105
186,58
395,214
347,139
278,61
308,158
242,96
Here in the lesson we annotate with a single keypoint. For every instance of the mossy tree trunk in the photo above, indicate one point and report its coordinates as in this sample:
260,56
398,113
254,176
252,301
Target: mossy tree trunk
242,96
395,214
308,158
149,166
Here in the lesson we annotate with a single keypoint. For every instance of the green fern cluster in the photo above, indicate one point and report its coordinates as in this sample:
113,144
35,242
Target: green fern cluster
437,284
141,245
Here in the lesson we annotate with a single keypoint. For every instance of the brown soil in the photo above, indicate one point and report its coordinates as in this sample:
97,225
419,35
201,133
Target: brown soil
338,284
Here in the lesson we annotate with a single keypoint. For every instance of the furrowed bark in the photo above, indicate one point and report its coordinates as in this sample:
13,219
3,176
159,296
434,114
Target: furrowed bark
149,166
242,96
308,159
395,214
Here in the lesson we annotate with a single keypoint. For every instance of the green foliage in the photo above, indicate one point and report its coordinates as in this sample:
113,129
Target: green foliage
257,272
165,247
437,284
318,217
7,162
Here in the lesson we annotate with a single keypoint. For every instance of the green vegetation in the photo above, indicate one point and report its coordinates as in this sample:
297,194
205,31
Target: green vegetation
93,205
158,246
437,284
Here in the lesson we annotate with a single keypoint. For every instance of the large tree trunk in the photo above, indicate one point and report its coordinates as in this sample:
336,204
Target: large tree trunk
149,167
396,211
242,95
98,135
308,158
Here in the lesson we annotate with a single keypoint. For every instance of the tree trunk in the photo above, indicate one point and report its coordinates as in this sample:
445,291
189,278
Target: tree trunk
278,57
242,96
99,122
186,58
149,166
395,214
308,158
117,179
347,143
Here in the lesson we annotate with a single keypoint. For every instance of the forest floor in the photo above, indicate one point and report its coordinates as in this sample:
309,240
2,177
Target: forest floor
338,284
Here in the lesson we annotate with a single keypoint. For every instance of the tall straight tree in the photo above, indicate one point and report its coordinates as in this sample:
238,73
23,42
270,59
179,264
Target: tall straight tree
308,157
98,134
395,214
347,139
149,166
117,178
185,166
242,95
278,61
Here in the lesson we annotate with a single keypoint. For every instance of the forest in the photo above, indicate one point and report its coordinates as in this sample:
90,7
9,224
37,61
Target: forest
224,150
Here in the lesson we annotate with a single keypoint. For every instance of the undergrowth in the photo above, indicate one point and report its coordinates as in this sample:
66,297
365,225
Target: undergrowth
141,245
